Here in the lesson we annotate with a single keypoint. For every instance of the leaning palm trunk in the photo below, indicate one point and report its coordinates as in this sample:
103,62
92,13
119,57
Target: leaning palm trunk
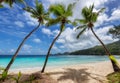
45,63
18,49
115,64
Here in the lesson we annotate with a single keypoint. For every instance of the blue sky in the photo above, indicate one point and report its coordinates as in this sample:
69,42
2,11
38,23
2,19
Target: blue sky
15,23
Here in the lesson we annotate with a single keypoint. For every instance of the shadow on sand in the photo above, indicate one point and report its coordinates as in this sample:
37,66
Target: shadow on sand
78,76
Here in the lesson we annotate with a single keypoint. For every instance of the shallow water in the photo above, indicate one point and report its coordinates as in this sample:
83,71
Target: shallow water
30,61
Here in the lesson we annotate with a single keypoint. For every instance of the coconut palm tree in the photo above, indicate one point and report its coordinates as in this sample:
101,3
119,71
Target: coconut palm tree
115,31
39,13
61,16
90,18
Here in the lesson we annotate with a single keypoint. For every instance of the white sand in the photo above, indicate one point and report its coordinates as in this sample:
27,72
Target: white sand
83,73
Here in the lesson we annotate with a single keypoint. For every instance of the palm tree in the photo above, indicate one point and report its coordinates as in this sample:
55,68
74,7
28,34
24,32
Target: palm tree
90,18
115,31
61,16
38,13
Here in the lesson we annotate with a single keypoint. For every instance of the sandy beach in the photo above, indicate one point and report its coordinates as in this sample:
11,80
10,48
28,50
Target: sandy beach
83,73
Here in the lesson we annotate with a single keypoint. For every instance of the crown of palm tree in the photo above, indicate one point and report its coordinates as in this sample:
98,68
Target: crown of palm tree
38,12
61,14
89,17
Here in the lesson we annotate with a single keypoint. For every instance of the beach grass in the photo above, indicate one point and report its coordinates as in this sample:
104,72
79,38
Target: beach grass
29,78
114,77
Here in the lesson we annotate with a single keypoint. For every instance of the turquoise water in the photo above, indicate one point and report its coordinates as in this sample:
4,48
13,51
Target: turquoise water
37,61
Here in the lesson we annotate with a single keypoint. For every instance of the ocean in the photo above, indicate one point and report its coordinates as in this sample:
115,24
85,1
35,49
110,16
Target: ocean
30,61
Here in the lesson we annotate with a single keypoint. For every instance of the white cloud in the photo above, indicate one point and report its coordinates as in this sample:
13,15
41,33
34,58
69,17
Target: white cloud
49,32
55,32
87,40
46,31
27,47
12,50
68,37
55,49
36,40
19,23
115,15
30,20
102,18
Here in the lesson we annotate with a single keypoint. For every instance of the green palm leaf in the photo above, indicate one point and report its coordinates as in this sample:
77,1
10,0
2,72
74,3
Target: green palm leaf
81,27
81,32
83,21
57,9
39,7
94,17
53,22
69,10
10,2
91,8
101,10
38,12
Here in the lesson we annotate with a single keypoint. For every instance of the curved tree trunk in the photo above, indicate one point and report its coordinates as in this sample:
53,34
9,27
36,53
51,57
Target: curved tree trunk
18,49
115,66
45,63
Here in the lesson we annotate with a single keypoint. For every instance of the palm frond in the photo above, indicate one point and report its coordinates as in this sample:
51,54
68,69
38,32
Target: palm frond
94,17
83,21
52,22
10,2
101,10
91,8
31,10
23,1
46,16
69,10
81,27
81,32
57,9
86,12
39,7
74,23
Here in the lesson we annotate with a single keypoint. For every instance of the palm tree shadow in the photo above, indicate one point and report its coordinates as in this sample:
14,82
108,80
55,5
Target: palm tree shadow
79,76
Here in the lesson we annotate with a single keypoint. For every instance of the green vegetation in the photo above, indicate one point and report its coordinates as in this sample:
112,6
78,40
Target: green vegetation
115,31
114,77
3,76
98,50
1,69
18,77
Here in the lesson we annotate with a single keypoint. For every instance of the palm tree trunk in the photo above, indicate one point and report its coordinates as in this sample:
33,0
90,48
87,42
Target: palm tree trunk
18,49
115,66
45,63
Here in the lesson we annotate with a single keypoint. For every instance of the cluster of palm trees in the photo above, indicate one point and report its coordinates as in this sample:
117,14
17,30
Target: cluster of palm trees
61,14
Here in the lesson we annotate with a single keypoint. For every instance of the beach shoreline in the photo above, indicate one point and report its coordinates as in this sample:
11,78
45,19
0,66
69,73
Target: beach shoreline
56,68
94,72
